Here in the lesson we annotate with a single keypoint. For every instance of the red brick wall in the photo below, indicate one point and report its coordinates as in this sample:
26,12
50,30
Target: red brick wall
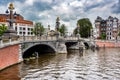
9,56
108,44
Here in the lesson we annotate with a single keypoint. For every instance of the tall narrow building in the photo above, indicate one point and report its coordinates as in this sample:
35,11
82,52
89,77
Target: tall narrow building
97,26
110,27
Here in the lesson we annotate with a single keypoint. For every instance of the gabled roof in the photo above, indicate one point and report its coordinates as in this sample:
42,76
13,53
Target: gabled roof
98,19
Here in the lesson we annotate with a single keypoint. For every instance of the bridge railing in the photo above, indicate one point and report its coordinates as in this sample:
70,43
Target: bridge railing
6,42
35,38
44,38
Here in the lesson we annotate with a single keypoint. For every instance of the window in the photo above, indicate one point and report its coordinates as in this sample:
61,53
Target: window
24,33
23,28
110,29
110,33
28,33
20,32
28,29
16,28
20,28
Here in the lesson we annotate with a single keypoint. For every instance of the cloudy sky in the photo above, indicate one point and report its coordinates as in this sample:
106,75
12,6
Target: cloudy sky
69,11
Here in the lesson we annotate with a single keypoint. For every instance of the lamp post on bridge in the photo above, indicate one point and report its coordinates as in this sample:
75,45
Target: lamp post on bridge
78,31
23,37
57,28
10,19
91,34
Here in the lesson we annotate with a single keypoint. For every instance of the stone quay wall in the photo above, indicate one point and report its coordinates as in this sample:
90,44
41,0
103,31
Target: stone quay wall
9,55
109,44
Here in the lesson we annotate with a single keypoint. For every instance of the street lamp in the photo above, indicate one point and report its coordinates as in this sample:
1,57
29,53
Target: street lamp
78,31
57,27
91,34
10,19
23,37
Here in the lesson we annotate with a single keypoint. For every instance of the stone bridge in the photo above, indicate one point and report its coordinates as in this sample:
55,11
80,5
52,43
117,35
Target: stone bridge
51,46
28,47
13,52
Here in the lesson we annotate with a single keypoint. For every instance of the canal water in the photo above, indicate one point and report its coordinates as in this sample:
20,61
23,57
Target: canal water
91,65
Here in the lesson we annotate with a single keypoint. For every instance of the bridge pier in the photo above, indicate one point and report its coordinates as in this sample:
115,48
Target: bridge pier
61,47
81,45
20,53
1,42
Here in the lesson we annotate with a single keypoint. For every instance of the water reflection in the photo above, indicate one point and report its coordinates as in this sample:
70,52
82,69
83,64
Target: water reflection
12,73
98,65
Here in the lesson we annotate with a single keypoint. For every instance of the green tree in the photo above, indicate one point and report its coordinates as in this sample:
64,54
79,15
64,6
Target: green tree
62,29
38,29
85,27
119,34
3,28
103,36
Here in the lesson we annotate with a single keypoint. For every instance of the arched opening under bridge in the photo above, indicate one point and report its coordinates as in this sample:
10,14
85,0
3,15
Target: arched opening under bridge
39,49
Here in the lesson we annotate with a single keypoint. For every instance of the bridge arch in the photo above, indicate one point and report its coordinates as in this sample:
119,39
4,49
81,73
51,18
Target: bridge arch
70,44
86,45
40,48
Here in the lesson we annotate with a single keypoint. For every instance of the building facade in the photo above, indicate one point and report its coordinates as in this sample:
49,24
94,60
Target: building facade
109,27
23,27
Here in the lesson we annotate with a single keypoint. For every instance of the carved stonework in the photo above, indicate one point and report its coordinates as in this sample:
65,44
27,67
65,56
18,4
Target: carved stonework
57,24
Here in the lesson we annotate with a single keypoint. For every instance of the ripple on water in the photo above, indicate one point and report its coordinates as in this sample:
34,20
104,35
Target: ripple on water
98,65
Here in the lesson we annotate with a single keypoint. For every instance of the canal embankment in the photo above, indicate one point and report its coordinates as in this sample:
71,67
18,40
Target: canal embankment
109,44
9,55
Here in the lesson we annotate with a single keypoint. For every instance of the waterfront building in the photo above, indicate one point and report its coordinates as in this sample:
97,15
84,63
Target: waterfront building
22,26
109,27
97,26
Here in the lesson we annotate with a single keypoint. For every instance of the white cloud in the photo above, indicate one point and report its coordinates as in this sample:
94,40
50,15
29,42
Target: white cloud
29,2
48,1
2,9
76,4
69,11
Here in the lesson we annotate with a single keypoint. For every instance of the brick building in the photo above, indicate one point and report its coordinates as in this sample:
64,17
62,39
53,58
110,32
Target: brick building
110,27
23,27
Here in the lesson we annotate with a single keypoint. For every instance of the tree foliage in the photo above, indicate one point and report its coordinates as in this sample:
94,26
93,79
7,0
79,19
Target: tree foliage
3,28
38,29
119,34
62,29
103,36
84,27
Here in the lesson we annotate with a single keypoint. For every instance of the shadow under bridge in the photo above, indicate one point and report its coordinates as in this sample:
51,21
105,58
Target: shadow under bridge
39,49
69,45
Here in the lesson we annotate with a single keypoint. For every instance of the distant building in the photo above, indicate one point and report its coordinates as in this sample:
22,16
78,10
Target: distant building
97,26
23,27
110,27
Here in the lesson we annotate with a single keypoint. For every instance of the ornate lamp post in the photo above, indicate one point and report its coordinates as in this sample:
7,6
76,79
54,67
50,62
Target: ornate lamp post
57,27
10,19
91,34
47,34
78,31
57,24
